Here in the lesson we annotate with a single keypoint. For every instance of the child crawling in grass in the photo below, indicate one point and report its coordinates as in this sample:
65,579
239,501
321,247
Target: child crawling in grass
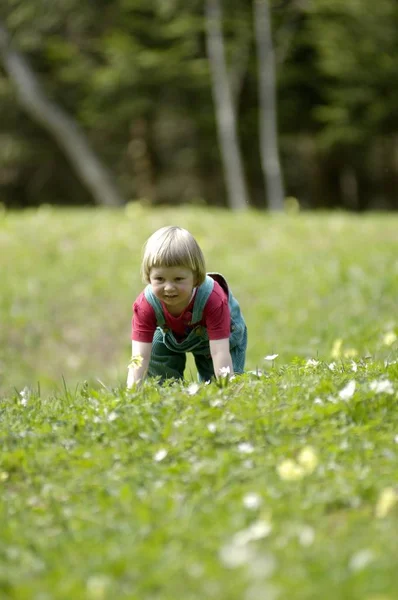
183,309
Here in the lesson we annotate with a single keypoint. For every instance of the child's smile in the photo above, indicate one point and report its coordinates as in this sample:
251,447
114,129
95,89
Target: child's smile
173,286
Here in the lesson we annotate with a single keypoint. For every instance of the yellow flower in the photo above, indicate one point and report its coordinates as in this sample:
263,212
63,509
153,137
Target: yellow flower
136,361
385,502
289,470
336,348
389,338
98,587
350,353
308,459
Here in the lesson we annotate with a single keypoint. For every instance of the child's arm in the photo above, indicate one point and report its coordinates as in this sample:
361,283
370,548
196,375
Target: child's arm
221,356
137,372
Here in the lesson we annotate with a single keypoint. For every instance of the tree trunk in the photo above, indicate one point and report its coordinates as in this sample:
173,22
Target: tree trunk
349,187
61,126
225,114
238,68
268,119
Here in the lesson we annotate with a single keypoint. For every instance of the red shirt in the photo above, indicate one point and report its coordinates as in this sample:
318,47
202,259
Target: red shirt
216,318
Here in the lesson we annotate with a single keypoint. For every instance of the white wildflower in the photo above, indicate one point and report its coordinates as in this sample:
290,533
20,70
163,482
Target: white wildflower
216,403
312,363
360,560
98,587
251,501
332,366
224,371
245,448
381,386
389,338
387,363
289,470
396,439
257,372
318,401
233,556
386,501
308,459
344,445
271,356
306,536
256,531
354,366
348,391
192,388
112,416
212,427
160,455
25,395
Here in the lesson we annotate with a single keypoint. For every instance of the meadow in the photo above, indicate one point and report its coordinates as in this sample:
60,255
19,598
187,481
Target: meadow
279,484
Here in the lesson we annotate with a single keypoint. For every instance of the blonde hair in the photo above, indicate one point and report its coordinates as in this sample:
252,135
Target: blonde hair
173,247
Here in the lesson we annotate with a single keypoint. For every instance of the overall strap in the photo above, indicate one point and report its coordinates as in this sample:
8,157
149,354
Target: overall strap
202,295
156,305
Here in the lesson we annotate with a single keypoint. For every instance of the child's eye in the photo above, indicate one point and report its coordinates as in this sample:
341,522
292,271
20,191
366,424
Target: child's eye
179,278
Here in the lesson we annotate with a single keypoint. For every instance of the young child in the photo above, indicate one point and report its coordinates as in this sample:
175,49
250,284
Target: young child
184,310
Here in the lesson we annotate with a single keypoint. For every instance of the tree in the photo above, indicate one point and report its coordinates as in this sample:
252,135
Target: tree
64,129
267,94
357,49
134,75
224,107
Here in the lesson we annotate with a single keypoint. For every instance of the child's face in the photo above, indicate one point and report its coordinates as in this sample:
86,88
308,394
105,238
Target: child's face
173,286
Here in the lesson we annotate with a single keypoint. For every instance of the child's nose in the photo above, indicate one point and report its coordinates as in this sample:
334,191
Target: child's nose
168,285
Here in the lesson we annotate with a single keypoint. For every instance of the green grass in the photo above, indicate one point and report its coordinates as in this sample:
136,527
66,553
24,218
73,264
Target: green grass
69,278
160,494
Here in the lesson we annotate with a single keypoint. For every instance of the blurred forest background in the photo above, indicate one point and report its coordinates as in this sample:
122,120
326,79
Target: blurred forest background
235,103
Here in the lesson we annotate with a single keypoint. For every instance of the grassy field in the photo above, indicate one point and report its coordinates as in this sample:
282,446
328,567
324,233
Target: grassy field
278,485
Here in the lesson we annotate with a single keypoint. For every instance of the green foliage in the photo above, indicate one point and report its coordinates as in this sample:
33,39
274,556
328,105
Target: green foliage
115,65
109,73
357,46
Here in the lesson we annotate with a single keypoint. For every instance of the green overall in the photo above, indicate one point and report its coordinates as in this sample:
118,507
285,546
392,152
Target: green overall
168,356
